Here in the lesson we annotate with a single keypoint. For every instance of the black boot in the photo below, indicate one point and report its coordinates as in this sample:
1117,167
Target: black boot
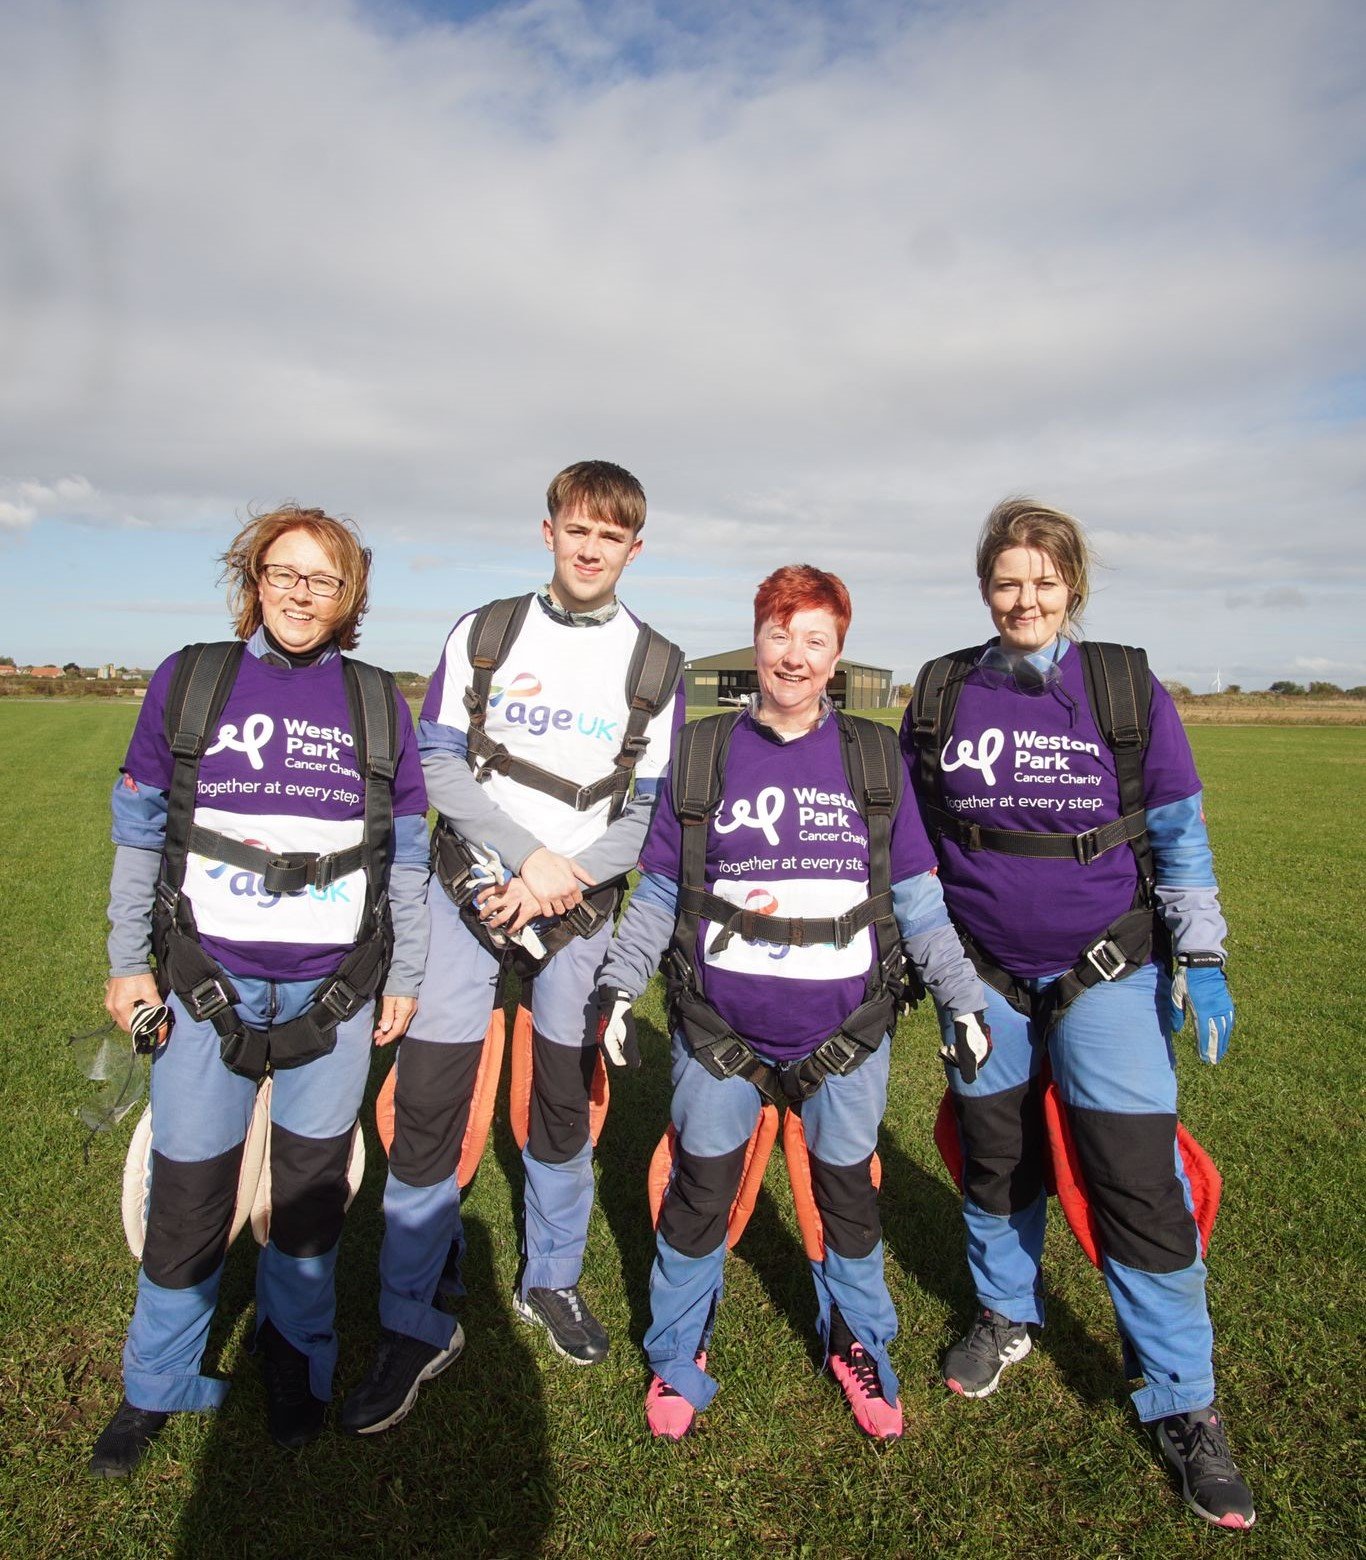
294,1415
124,1441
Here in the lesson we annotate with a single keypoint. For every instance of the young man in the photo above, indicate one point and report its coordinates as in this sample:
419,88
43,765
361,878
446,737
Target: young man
502,766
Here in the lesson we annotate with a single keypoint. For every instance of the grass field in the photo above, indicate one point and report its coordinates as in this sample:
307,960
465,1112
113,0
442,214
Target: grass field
513,1452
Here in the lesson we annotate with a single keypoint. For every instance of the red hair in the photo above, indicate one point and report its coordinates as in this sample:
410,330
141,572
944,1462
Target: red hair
798,587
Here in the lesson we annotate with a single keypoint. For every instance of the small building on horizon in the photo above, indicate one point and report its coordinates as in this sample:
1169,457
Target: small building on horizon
730,678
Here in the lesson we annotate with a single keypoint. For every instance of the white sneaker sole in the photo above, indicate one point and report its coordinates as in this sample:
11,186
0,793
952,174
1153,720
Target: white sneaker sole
427,1373
533,1318
1011,1355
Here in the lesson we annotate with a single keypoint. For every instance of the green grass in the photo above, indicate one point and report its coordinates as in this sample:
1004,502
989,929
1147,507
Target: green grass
514,1452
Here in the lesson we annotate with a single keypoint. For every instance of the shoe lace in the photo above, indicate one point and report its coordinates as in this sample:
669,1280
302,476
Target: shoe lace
570,1298
863,1368
288,1374
989,1335
1206,1450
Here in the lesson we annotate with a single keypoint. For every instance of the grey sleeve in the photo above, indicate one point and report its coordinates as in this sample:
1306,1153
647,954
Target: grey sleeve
1193,917
465,805
637,948
618,849
950,979
132,888
408,908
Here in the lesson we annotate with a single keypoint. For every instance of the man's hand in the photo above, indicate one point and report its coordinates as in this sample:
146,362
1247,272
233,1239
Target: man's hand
508,907
122,993
617,1027
1203,990
555,880
971,1046
395,1014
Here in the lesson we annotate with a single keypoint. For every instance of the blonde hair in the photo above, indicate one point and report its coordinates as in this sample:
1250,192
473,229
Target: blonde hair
1024,522
338,538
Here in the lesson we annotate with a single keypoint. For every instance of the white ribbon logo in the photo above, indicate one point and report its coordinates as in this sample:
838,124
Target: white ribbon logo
768,808
257,730
989,748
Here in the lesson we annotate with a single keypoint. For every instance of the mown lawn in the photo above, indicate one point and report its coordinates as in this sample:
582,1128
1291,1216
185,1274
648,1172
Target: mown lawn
514,1452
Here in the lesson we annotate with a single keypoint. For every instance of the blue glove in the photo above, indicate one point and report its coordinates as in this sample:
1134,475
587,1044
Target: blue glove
1205,992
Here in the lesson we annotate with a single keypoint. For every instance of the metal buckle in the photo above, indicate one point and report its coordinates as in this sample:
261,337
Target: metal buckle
339,998
1107,959
736,1054
1084,846
206,999
837,1053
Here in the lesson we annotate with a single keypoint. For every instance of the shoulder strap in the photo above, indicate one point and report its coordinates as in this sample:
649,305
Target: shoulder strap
696,777
1119,691
372,699
200,685
651,678
872,764
495,627
932,709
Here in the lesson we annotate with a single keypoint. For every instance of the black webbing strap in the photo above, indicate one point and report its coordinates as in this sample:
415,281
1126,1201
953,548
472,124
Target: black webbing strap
792,931
697,774
200,685
203,679
1119,690
651,677
932,709
1083,847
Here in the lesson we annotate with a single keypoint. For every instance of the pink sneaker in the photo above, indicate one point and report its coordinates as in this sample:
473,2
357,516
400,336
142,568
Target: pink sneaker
857,1375
667,1412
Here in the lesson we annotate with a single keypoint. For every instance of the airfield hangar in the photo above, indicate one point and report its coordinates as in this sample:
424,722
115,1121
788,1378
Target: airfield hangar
729,677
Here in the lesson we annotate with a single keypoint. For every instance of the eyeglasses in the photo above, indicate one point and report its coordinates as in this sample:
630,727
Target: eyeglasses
282,577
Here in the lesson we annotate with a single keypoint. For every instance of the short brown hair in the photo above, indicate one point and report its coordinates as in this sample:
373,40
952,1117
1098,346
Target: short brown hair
338,538
1024,522
608,491
801,587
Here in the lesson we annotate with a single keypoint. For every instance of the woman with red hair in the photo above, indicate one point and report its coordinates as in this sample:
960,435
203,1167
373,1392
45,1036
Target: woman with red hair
789,876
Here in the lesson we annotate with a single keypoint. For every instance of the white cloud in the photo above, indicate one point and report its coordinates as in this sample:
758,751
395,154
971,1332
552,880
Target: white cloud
830,283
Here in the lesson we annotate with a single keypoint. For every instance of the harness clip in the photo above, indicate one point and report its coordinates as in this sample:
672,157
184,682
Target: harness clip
1085,846
339,998
837,1054
289,874
1107,958
206,999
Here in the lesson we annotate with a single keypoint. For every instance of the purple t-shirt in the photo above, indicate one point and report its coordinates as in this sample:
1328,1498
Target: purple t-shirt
280,773
786,840
1036,762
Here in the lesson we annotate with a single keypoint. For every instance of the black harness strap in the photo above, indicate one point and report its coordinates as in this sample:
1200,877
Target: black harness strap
200,686
873,769
651,677
1119,694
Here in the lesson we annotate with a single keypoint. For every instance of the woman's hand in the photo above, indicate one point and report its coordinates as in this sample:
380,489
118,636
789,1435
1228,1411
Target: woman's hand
509,907
122,993
395,1014
555,880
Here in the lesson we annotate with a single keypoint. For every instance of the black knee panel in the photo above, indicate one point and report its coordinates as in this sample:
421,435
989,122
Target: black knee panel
431,1109
561,1078
847,1200
307,1191
1129,1164
698,1202
189,1216
1003,1147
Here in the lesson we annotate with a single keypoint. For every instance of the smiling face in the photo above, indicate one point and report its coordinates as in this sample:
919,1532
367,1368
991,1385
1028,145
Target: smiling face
1027,598
795,662
589,554
299,619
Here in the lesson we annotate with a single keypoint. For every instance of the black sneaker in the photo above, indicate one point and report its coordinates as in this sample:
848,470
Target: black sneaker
293,1414
973,1366
1195,1446
574,1330
124,1441
390,1387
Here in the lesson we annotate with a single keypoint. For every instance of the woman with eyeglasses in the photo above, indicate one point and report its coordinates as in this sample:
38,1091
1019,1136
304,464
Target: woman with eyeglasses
1060,791
271,853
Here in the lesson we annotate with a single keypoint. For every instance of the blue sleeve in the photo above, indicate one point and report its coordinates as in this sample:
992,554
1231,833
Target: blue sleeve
434,736
410,840
1180,841
139,814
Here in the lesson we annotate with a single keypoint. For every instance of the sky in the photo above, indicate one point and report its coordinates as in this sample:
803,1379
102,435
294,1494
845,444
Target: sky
830,279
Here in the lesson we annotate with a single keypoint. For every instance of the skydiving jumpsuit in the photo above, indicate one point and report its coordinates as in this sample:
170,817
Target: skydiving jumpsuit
1035,760
786,839
276,950
562,706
